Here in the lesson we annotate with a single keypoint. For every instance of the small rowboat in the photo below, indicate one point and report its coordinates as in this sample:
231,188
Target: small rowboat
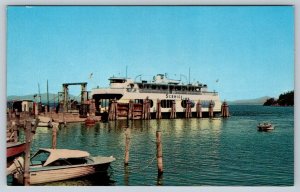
14,149
265,127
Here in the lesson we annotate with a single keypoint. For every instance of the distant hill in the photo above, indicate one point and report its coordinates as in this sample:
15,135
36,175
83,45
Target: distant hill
285,99
257,101
52,96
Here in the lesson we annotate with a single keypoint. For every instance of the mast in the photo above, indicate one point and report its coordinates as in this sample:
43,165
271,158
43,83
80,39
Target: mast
39,93
126,71
47,95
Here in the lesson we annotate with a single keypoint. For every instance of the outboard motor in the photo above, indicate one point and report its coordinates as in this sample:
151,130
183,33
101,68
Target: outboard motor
16,167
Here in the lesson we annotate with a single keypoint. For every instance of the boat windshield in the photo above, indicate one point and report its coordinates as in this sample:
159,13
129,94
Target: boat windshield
39,158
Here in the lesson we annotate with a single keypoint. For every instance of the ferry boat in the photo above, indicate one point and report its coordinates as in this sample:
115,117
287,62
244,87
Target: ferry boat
160,88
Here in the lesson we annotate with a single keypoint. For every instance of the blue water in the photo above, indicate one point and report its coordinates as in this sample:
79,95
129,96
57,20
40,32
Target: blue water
196,152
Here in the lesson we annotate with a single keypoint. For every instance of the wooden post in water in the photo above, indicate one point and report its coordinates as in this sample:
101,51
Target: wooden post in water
144,109
127,145
36,109
27,153
225,110
110,105
188,109
173,110
158,110
159,153
112,110
116,109
129,112
15,131
211,110
198,109
148,109
54,135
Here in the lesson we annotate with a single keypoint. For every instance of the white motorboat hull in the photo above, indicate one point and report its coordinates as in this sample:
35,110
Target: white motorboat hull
60,174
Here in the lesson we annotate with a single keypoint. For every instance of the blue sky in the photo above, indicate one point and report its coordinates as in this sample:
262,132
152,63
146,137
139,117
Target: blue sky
249,49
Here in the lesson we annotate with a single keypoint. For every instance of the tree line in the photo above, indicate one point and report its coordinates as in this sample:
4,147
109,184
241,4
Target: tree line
285,99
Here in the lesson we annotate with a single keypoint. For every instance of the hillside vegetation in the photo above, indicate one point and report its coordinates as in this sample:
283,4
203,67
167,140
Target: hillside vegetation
285,99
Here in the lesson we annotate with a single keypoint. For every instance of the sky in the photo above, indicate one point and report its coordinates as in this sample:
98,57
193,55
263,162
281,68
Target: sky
242,52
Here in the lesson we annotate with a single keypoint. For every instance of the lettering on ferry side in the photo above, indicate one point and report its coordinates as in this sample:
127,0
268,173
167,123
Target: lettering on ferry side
173,96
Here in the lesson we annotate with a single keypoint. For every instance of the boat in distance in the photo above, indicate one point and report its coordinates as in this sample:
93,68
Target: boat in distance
160,89
49,165
265,126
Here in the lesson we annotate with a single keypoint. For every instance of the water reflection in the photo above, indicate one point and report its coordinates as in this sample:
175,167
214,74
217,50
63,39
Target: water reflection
195,151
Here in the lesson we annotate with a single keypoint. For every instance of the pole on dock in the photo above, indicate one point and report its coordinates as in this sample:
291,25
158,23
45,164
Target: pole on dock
159,153
127,145
27,153
54,135
211,109
158,110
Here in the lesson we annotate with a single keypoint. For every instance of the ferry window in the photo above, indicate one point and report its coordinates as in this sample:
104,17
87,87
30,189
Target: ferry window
153,87
140,101
141,86
103,103
184,102
117,81
164,87
151,103
166,103
206,103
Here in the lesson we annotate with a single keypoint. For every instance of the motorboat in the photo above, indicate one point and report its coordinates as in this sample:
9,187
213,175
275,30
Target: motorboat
265,126
49,165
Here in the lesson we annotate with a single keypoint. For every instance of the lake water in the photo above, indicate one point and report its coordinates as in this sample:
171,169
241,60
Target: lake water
196,152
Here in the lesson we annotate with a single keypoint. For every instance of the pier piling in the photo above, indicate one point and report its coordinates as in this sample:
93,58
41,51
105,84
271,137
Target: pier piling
158,109
54,135
173,110
199,110
211,110
127,145
159,153
15,132
225,110
27,153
